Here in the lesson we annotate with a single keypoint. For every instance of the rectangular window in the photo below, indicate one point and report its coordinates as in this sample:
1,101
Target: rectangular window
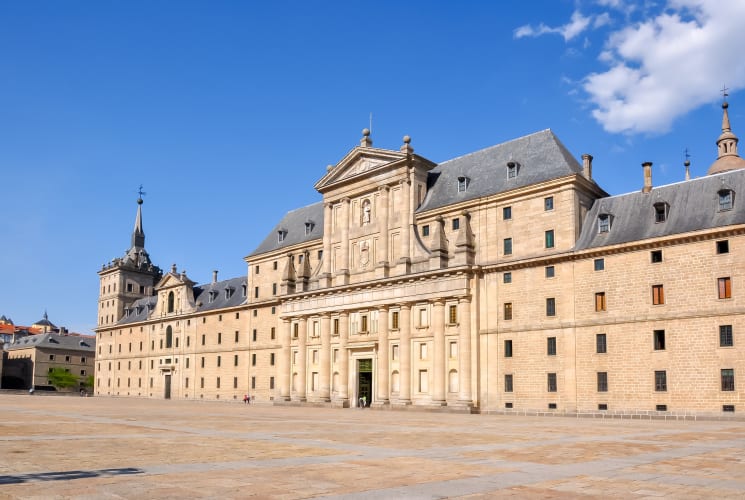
394,320
271,359
363,323
548,203
256,292
508,348
551,382
725,336
507,277
453,314
725,288
425,230
659,340
219,361
423,381
456,224
235,382
254,334
453,350
660,407
508,383
236,337
728,379
271,382
603,223
253,359
253,382
508,310
201,382
549,238
508,246
315,356
204,339
551,306
506,213
600,343
602,381
656,256
235,360
600,301
660,381
202,361
728,408
274,289
599,264
219,338
550,271
551,346
295,330
422,351
257,269
394,352
658,295
423,317
723,246
273,333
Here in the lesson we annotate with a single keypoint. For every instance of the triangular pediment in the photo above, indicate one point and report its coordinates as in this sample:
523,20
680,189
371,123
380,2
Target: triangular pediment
357,163
172,280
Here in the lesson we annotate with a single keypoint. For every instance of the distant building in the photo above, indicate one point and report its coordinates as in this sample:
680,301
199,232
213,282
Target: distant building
502,280
29,360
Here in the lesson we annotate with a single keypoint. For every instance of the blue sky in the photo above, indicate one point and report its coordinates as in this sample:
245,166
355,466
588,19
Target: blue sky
228,112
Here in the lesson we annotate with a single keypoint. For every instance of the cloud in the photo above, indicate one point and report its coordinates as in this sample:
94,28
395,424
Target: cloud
667,65
572,29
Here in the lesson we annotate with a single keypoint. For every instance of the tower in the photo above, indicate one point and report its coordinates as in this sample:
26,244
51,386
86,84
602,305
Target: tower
126,279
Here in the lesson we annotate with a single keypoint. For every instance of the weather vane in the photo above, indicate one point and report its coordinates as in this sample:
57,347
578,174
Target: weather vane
140,192
687,155
724,92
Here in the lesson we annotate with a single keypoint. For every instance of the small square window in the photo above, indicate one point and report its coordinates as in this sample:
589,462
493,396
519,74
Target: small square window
550,271
507,277
660,407
728,408
508,406
551,346
456,224
601,346
723,246
508,348
425,230
656,256
599,264
725,336
548,203
659,340
507,213
603,406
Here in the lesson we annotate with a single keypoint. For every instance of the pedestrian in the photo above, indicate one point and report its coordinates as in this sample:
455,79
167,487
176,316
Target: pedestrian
245,399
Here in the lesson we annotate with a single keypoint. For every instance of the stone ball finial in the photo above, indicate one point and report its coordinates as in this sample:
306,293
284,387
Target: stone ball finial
139,201
407,139
329,168
366,132
725,105
687,163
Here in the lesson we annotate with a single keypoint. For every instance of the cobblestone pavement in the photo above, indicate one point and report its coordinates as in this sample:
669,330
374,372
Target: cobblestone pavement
69,447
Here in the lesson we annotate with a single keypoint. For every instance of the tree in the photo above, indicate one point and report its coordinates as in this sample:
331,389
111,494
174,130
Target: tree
62,379
88,382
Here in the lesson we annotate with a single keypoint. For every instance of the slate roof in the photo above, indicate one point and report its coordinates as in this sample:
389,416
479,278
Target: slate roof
693,206
141,308
293,223
541,157
55,341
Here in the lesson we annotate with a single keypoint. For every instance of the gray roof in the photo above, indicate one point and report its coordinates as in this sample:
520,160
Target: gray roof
293,227
55,341
693,206
141,308
541,157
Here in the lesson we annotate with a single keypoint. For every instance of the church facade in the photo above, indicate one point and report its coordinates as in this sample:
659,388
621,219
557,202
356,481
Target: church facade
503,280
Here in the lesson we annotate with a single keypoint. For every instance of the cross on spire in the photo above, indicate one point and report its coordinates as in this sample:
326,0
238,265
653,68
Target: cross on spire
724,92
140,192
687,156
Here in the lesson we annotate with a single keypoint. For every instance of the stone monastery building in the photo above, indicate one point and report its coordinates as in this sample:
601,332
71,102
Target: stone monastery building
502,280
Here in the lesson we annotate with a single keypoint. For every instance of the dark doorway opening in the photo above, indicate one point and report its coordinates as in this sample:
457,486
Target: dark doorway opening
168,387
364,382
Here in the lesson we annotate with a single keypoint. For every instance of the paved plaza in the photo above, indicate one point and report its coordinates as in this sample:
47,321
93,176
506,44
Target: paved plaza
71,447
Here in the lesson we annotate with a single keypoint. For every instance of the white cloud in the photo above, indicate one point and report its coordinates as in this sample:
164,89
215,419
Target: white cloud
668,65
573,28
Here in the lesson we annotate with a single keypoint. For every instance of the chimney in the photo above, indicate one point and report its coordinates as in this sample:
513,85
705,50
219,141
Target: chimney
214,276
587,166
647,166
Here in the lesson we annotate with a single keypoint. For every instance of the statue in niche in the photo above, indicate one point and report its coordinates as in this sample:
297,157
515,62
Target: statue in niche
366,212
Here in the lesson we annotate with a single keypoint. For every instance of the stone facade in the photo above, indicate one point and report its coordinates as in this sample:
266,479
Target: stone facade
503,280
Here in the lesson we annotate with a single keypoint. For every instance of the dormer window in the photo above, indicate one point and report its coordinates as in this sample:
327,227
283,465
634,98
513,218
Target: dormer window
463,183
281,234
308,226
211,296
127,311
661,210
244,289
512,169
726,197
138,309
229,292
603,223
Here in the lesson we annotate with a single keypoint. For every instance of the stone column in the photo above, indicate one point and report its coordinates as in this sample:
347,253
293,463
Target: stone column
438,365
343,358
383,259
383,358
283,378
464,351
405,351
325,392
302,357
328,225
343,271
406,223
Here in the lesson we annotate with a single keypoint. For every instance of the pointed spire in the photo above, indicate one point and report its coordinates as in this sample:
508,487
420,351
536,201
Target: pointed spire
728,158
138,235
